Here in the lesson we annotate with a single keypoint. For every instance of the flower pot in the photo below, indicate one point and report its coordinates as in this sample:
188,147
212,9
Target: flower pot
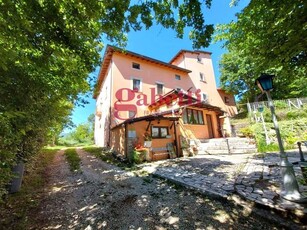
303,166
147,144
16,181
148,156
185,152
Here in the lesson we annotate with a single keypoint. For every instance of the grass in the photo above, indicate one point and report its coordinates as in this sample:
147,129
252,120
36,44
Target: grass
14,212
73,159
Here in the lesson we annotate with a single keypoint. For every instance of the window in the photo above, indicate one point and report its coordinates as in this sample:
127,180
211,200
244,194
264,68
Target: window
226,100
193,116
159,131
136,65
204,97
198,58
202,77
177,77
159,88
136,85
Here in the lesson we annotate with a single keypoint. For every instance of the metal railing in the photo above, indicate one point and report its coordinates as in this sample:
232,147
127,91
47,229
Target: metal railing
292,103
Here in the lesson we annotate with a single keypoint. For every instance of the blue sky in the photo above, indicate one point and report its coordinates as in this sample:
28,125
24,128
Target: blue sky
162,44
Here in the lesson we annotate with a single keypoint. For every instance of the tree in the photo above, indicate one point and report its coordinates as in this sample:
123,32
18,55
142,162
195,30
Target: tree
269,36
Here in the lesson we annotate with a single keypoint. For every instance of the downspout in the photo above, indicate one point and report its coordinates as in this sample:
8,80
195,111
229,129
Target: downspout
110,109
176,140
126,141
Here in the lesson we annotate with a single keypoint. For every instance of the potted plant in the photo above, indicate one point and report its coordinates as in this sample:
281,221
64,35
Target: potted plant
147,140
185,151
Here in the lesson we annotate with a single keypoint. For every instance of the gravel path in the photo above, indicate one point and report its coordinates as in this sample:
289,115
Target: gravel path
102,196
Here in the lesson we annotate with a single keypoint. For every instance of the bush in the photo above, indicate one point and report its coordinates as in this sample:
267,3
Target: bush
247,131
296,114
137,157
280,105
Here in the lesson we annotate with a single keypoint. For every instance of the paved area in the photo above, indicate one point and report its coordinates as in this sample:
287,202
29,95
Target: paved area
254,177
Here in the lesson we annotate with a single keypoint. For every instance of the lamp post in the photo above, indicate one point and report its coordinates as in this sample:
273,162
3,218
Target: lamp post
267,139
290,190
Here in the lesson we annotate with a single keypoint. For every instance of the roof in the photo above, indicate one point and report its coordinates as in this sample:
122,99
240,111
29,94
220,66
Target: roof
150,117
186,100
188,51
108,57
173,94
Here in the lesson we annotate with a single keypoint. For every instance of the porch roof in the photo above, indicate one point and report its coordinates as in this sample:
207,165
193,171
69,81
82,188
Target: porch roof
151,117
188,101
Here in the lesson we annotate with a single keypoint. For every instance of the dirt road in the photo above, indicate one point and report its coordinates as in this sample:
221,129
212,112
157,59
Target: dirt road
102,196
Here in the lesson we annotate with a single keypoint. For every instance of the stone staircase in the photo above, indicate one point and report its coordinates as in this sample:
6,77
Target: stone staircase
232,145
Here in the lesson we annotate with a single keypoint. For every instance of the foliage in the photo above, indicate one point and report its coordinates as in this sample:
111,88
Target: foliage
105,154
268,36
73,159
280,105
247,131
147,136
82,135
137,157
297,113
291,132
15,209
292,125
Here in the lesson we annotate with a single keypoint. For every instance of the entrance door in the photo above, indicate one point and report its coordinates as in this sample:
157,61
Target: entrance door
209,124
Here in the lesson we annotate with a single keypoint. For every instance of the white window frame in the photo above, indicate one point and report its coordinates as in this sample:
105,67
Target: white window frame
141,84
206,97
160,83
202,77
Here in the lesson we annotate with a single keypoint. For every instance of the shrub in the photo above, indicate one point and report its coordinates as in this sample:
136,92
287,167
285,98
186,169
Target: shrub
137,157
296,114
280,105
247,131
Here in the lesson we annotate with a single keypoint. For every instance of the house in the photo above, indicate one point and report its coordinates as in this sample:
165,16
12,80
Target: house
175,102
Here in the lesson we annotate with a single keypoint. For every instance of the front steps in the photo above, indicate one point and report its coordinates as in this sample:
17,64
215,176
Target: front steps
223,146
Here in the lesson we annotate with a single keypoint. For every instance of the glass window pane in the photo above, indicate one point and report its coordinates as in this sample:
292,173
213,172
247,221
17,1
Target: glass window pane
195,115
135,65
185,116
155,132
136,84
160,88
189,116
163,132
200,117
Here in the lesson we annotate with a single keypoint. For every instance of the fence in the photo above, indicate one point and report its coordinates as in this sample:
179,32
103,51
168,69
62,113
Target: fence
292,103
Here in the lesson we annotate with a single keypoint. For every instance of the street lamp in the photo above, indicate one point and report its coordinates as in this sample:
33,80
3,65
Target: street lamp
290,190
267,139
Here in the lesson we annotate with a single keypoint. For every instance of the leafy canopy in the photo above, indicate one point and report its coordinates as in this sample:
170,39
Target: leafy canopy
268,36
